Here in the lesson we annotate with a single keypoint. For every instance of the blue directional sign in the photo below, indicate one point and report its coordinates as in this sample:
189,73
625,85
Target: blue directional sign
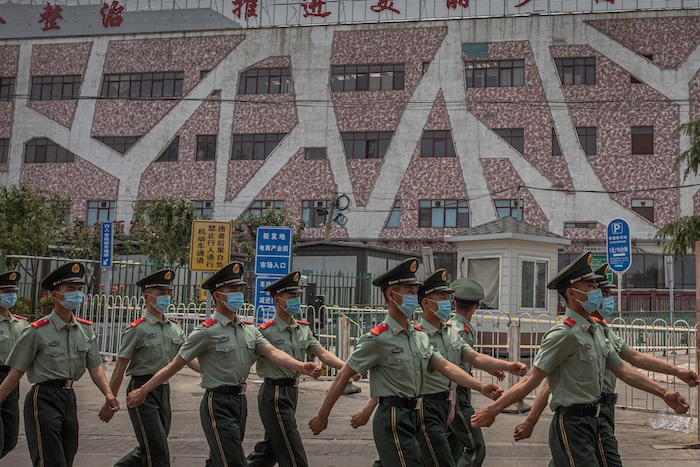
106,244
264,305
273,251
619,246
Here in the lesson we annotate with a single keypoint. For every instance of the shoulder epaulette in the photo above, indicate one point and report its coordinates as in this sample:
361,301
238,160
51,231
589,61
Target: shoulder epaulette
267,325
137,322
466,328
419,327
210,322
380,329
173,320
40,323
84,321
247,322
570,322
20,317
597,320
448,324
303,322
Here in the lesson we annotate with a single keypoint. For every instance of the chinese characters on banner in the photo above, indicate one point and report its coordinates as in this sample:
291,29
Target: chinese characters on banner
315,8
2,21
112,15
49,17
455,3
210,245
245,7
383,5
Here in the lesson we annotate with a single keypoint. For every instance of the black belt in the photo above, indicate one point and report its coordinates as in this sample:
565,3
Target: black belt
581,410
402,402
438,396
57,383
5,369
294,382
142,377
608,398
230,390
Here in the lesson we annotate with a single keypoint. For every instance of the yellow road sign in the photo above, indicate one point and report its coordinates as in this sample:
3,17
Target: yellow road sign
210,245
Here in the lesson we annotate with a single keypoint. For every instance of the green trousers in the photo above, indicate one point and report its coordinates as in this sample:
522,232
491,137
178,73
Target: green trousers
151,422
466,443
396,432
9,421
434,446
223,419
578,441
607,436
51,424
282,442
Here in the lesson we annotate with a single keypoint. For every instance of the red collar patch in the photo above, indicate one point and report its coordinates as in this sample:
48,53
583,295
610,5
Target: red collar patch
267,324
570,322
137,322
209,323
40,323
380,329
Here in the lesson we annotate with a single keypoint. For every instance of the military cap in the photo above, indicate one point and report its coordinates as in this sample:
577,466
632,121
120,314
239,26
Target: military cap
436,282
231,274
288,283
403,273
69,273
468,290
604,283
9,280
162,279
578,270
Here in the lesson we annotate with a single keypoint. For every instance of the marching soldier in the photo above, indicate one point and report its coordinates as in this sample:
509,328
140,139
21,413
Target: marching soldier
55,351
398,359
573,357
226,348
278,395
10,328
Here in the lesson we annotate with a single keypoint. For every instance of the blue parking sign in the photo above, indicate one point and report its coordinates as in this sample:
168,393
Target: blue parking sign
619,246
264,304
106,244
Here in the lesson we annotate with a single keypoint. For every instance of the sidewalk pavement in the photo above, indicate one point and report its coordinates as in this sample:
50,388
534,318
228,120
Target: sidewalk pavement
340,445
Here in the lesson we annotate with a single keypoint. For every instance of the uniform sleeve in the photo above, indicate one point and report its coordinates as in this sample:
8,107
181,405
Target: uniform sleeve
93,358
196,344
466,348
557,345
435,355
181,334
620,345
313,344
366,355
260,341
129,343
612,360
24,351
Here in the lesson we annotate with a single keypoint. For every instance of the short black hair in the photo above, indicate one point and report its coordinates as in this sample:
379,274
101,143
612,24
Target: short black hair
465,305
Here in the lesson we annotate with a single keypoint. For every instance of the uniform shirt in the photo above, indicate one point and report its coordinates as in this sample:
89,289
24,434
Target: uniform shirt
150,344
447,341
396,358
9,333
52,349
576,358
467,332
619,347
296,340
226,349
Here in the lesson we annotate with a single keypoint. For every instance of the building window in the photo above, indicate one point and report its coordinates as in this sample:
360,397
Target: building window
394,220
634,80
437,144
367,78
265,81
366,145
254,147
645,208
642,140
312,154
476,49
508,208
7,89
45,151
576,70
55,87
170,153
556,149
495,74
580,225
533,289
314,213
257,208
203,73
121,144
206,147
142,85
204,209
587,138
441,213
100,211
649,57
513,136
4,150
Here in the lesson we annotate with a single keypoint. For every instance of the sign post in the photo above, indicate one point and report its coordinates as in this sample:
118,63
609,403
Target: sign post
619,252
273,259
210,248
106,253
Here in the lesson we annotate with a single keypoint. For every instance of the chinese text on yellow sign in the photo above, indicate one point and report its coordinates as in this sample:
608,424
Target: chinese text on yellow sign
210,246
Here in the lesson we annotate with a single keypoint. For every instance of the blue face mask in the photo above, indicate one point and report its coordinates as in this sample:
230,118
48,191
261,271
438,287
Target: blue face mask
293,306
607,308
8,300
409,304
595,298
162,303
72,300
234,301
443,310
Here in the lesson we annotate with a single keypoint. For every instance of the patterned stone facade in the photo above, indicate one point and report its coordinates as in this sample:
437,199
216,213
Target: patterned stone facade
9,58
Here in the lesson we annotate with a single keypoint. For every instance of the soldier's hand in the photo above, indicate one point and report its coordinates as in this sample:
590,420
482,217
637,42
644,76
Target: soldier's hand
517,368
318,424
361,417
135,398
676,401
483,417
106,412
311,369
524,430
498,374
492,391
689,377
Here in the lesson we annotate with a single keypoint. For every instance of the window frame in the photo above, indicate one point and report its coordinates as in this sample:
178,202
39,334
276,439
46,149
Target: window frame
442,205
535,285
309,151
643,144
4,150
260,81
255,142
110,208
574,71
514,205
362,78
587,146
204,208
207,145
48,144
394,215
121,144
55,87
510,136
643,210
310,215
439,143
155,85
494,73
171,153
7,88
257,207
366,143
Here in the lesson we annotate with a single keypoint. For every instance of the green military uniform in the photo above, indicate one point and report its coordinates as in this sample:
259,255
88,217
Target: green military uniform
466,442
575,355
54,354
398,359
225,349
278,395
9,332
150,345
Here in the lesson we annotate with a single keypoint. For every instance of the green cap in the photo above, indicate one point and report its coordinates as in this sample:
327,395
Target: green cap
231,274
604,283
403,273
9,280
436,282
69,273
288,283
162,279
578,270
468,289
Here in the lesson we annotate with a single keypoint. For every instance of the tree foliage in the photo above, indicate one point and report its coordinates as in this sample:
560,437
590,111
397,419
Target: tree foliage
691,156
162,228
246,226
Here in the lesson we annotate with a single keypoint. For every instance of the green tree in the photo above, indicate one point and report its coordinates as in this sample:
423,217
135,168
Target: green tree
246,226
84,243
162,228
680,235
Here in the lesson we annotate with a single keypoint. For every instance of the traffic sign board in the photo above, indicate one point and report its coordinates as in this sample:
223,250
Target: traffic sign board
210,245
106,244
619,246
599,260
264,304
273,251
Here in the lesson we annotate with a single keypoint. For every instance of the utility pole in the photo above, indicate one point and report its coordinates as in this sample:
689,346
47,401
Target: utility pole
519,201
331,212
